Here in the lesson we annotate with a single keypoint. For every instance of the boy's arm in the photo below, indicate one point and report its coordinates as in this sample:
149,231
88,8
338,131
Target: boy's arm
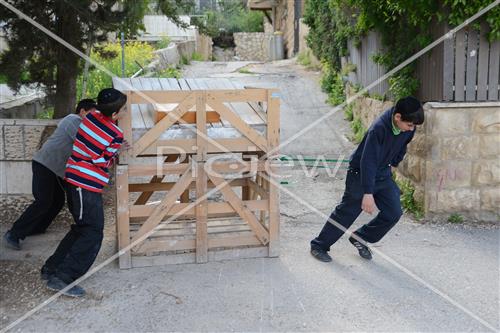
399,157
369,159
70,126
107,155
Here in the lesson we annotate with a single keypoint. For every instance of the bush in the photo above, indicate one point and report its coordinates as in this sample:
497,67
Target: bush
358,130
171,72
332,84
163,43
197,57
408,200
109,56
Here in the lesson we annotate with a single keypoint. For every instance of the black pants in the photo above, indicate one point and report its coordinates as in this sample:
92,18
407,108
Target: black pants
79,248
386,195
48,191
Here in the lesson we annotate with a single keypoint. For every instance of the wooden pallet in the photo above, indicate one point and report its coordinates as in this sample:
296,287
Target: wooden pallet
181,197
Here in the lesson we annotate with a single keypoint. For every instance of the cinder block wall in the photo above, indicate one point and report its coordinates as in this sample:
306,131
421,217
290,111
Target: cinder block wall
454,158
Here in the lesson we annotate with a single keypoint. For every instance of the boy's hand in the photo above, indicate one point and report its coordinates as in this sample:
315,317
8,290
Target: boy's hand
368,204
125,145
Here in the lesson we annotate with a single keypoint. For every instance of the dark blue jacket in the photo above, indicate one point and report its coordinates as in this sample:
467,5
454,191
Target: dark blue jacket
379,150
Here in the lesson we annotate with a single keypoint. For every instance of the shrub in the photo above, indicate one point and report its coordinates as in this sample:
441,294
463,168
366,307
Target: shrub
408,200
109,56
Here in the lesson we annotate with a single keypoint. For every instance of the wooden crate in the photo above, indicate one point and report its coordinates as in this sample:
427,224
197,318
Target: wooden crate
197,184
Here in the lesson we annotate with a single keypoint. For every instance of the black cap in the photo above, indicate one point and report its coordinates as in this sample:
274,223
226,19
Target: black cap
110,101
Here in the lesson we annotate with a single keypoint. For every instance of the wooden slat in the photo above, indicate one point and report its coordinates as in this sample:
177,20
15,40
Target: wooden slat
493,78
239,124
201,212
239,207
174,84
448,68
273,137
165,85
190,117
164,206
125,123
158,97
165,186
247,95
482,75
213,208
460,65
183,84
137,170
256,188
214,146
122,215
153,134
472,55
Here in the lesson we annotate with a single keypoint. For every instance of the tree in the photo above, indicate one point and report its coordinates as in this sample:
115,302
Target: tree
35,58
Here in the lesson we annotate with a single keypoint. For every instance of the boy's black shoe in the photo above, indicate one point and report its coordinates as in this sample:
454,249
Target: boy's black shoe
57,284
46,273
363,250
321,255
11,242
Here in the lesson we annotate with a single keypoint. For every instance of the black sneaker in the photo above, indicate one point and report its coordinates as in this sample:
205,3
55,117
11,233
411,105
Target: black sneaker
321,255
11,242
57,284
363,250
46,273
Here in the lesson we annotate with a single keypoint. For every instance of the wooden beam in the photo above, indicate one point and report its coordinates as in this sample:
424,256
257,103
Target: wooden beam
122,215
125,124
237,95
213,208
201,212
190,117
166,186
157,97
273,137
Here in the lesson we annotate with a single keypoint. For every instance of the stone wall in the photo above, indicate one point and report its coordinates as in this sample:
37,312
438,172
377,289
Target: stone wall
19,140
252,46
453,160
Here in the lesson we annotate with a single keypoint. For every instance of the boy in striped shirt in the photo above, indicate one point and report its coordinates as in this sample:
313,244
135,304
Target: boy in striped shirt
97,142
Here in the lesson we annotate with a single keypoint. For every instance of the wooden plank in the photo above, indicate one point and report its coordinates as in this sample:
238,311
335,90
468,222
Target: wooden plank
256,188
273,137
193,84
247,95
153,134
158,97
460,65
122,216
125,124
183,84
165,85
164,206
482,75
493,78
239,124
201,127
137,170
144,197
174,84
472,55
190,117
214,146
448,68
166,186
213,208
201,212
261,232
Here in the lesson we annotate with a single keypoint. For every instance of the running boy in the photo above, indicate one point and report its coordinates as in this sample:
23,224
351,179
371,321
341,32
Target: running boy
369,184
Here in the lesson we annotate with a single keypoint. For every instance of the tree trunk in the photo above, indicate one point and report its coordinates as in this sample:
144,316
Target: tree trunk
67,64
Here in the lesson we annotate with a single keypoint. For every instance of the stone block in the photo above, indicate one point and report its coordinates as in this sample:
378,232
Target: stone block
458,200
3,177
418,146
33,140
460,147
490,199
18,177
489,145
451,121
486,172
445,175
412,167
486,121
13,142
